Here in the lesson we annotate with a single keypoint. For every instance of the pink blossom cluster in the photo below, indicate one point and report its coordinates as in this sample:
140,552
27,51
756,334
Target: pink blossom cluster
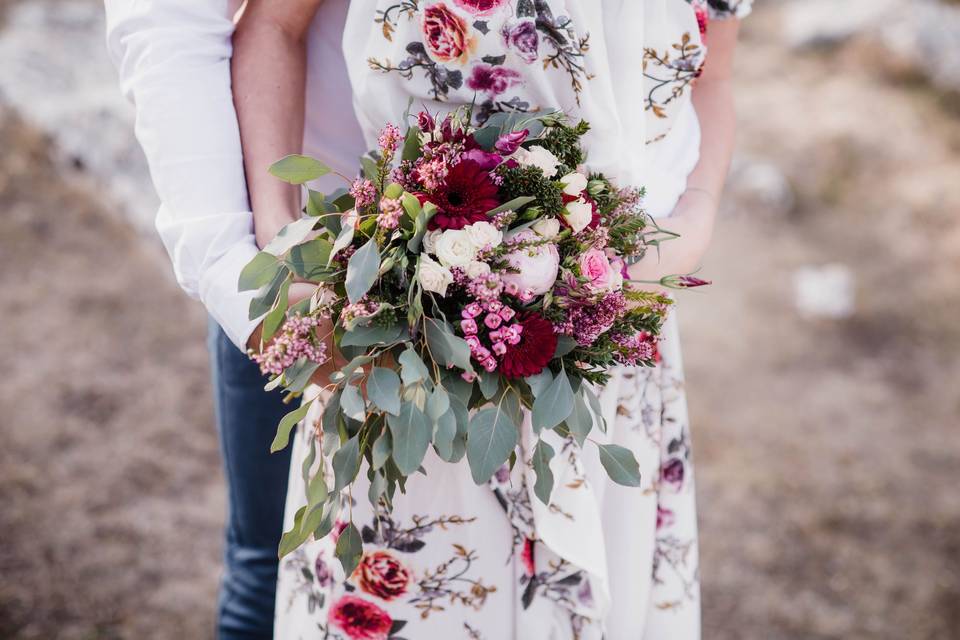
587,323
389,140
296,339
486,287
493,316
433,173
636,349
390,211
363,192
363,308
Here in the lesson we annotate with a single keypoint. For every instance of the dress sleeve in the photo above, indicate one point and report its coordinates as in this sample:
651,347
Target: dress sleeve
173,59
727,9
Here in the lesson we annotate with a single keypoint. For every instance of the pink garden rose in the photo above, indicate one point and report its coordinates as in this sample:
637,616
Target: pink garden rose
600,274
360,619
480,7
446,35
536,266
383,575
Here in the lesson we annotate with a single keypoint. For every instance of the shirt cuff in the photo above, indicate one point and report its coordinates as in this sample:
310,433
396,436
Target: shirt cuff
219,292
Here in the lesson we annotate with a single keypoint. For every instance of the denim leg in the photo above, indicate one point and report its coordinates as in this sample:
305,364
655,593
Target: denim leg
247,418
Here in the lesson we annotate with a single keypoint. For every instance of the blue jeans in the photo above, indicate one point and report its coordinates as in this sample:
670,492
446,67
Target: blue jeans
247,419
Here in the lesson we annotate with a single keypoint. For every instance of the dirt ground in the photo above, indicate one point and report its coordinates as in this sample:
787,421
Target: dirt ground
828,453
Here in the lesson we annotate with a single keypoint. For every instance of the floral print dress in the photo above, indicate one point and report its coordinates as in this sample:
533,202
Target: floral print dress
455,560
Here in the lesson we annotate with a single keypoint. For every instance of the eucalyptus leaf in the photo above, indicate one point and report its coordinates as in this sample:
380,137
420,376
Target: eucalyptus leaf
447,348
565,344
258,272
542,455
594,402
383,389
411,144
311,260
298,169
278,314
346,463
553,405
344,238
438,403
290,235
362,270
351,401
298,375
491,439
382,448
411,436
316,491
293,538
512,205
267,295
539,382
287,423
580,420
488,383
444,433
349,548
620,464
412,368
371,335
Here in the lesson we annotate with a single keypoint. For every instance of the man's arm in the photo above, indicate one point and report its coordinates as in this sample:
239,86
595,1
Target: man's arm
269,76
173,57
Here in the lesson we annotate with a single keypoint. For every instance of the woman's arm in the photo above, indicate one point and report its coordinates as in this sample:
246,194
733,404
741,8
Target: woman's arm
269,79
695,213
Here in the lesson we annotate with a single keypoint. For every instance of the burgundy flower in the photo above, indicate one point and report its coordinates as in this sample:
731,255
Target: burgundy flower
381,574
446,35
425,121
480,7
492,80
510,142
469,194
360,619
672,472
538,343
521,38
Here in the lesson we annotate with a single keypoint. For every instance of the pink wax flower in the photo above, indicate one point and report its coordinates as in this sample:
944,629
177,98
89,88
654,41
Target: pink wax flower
600,274
469,326
389,140
363,192
493,306
489,365
469,376
472,310
536,264
499,348
473,342
507,314
492,320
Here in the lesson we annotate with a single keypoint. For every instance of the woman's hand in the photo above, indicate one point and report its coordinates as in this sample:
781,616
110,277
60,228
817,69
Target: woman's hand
693,220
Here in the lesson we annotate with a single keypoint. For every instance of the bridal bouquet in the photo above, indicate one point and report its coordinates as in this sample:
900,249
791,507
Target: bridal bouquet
469,275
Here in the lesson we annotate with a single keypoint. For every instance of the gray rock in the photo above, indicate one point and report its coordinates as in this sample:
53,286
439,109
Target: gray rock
57,75
816,23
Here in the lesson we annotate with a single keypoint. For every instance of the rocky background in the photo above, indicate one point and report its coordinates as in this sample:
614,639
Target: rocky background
822,365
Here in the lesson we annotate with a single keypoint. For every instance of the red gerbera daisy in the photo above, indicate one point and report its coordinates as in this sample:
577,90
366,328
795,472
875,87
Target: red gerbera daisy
468,195
538,343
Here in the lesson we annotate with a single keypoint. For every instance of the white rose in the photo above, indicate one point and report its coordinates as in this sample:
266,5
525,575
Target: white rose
537,156
548,228
476,269
432,276
578,214
430,241
483,234
454,248
574,183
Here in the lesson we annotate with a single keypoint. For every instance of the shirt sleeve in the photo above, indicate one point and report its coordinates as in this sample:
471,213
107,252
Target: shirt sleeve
173,59
727,9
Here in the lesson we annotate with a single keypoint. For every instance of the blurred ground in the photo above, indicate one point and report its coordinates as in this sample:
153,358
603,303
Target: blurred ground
828,454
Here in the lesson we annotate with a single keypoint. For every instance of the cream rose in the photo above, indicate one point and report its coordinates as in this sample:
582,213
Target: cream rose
432,276
454,248
483,234
578,214
548,228
537,156
430,241
476,269
574,183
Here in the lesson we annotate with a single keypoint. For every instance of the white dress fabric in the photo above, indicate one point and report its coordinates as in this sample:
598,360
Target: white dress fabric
456,560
